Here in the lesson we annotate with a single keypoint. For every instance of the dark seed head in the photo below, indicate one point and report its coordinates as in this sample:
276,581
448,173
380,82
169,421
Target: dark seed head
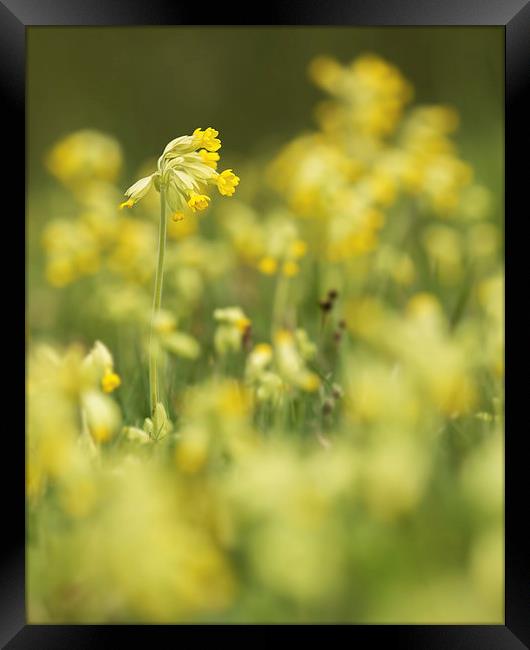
333,294
325,305
336,391
327,407
246,337
342,324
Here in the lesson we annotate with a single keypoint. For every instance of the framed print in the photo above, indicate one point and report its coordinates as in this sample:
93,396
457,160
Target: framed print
265,322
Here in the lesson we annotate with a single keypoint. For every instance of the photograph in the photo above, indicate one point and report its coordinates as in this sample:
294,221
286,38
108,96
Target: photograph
265,325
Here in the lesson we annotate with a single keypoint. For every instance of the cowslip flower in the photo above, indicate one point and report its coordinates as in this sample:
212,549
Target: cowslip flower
234,326
290,360
99,365
85,156
110,381
186,169
102,415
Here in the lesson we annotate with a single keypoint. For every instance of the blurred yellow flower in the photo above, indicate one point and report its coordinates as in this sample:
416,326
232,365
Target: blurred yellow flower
85,155
110,381
304,434
268,265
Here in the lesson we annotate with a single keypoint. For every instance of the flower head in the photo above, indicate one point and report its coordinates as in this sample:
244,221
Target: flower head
185,169
227,182
233,330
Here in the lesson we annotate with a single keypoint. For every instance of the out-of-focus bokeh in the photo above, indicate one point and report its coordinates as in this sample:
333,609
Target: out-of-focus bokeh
329,446
145,84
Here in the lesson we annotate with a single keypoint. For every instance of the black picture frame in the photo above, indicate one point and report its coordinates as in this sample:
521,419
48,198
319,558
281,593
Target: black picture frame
514,15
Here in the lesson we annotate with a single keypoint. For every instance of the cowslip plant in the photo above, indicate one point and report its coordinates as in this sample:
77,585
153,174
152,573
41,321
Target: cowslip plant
185,170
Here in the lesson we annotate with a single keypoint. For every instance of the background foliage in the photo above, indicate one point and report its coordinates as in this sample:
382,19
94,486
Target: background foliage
373,491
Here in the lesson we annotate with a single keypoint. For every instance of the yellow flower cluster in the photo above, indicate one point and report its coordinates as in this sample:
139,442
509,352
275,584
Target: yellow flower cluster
125,512
370,150
216,424
421,340
185,169
288,509
306,431
81,247
372,95
173,340
232,331
111,247
275,372
73,251
85,156
272,245
288,263
63,391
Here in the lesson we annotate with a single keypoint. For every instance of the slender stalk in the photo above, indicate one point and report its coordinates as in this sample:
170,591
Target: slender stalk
157,300
279,304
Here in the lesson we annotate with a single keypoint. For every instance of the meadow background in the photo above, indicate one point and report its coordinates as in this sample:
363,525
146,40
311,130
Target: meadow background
250,82
435,556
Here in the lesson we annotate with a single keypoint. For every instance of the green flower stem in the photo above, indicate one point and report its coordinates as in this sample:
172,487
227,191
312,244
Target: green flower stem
157,300
279,304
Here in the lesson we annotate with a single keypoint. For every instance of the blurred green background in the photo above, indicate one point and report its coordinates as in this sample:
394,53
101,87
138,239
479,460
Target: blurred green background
145,85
